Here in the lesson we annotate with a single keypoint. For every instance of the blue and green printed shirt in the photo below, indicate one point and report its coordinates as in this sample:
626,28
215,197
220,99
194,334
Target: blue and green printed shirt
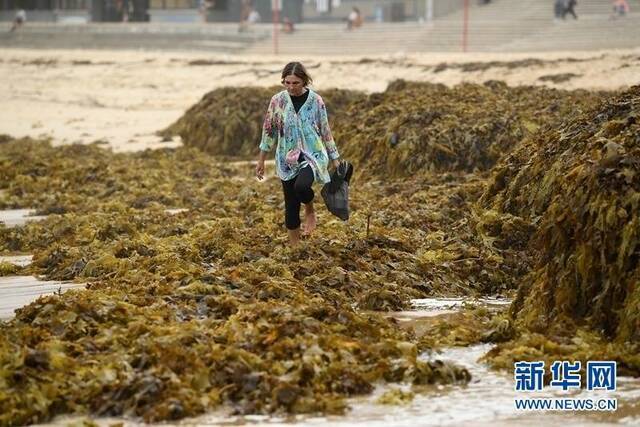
308,130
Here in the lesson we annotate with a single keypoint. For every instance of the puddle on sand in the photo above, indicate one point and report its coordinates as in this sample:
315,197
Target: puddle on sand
19,260
426,304
427,308
18,217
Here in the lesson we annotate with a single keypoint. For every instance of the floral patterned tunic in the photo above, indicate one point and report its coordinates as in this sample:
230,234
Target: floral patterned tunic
307,131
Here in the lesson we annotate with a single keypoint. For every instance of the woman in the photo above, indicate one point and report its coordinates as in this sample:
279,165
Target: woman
296,123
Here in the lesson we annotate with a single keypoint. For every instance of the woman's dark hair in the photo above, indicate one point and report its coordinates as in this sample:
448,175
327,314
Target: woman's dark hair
298,70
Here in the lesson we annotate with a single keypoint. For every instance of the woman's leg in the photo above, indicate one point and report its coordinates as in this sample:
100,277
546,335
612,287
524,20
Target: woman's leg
302,185
291,211
305,195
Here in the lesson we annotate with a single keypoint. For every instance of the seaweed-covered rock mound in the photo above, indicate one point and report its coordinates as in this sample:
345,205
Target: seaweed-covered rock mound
415,126
581,183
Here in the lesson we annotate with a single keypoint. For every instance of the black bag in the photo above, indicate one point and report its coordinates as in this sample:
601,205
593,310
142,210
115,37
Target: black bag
336,192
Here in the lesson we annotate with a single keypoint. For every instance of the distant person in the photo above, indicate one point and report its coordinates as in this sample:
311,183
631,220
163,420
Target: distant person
254,17
119,10
203,8
559,8
620,8
570,9
127,10
18,20
287,25
354,19
245,10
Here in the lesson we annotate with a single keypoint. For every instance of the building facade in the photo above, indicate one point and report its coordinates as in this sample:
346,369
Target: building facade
223,10
77,11
220,10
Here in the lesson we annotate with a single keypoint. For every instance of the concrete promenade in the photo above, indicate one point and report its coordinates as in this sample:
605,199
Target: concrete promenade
218,37
497,27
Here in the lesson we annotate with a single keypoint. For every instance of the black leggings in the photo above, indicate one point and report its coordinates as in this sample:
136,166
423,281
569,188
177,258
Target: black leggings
297,190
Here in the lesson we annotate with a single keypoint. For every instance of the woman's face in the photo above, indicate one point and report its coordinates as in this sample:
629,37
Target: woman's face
294,85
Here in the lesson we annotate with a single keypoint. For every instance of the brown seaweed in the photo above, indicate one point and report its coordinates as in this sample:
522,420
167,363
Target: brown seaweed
186,312
581,184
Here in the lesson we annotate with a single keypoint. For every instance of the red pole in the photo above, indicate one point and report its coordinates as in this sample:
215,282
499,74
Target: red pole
465,26
276,21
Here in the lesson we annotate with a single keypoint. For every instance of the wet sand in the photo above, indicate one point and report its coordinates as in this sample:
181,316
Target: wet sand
124,97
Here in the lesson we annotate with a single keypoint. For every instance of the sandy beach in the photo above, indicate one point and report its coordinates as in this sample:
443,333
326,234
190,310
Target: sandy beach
124,97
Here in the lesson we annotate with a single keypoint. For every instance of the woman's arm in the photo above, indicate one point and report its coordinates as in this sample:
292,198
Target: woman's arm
260,165
269,134
269,127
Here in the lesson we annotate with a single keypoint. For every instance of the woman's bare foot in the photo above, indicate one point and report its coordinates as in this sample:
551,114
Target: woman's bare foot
294,237
309,219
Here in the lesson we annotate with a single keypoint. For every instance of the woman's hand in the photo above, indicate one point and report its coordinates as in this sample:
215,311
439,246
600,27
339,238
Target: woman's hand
260,169
335,163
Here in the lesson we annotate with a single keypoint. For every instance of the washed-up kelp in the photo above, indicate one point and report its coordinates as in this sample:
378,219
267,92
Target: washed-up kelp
408,128
8,269
458,250
581,184
436,246
414,127
470,325
583,345
469,67
558,78
228,121
113,352
184,312
33,174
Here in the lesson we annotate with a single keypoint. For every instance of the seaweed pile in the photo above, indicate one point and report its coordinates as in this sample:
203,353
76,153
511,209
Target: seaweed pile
414,127
77,178
173,351
410,127
469,67
414,249
184,312
558,78
228,121
580,183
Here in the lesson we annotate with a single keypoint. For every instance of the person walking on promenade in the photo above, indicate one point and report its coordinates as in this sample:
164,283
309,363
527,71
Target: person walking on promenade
18,20
558,8
571,4
620,8
354,19
297,124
